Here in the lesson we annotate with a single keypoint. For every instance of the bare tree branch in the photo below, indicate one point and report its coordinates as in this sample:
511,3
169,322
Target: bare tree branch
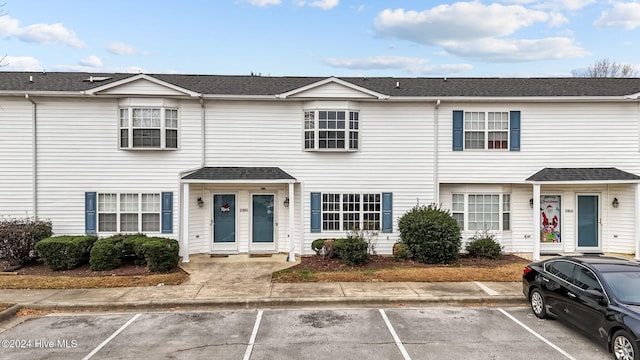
607,68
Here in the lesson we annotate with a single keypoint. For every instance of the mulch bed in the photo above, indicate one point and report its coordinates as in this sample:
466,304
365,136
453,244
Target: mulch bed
319,263
126,269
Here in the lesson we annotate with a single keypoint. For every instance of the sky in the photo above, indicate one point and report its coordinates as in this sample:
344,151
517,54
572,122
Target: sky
397,38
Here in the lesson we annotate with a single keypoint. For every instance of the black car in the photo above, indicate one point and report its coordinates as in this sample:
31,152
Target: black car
599,295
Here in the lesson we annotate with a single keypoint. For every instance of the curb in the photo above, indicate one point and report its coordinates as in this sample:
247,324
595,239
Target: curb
274,303
9,312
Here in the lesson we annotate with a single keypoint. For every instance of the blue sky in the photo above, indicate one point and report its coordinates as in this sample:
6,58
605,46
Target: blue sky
504,38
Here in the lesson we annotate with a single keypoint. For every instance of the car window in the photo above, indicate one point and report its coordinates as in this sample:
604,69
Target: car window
561,269
585,279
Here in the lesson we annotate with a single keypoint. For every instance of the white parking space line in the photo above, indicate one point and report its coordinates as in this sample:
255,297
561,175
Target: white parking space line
104,343
404,352
486,289
254,333
557,348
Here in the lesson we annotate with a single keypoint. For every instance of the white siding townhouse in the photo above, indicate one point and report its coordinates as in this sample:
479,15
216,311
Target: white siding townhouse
252,164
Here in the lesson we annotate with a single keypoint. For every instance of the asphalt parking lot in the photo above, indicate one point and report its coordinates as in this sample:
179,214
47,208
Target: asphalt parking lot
391,333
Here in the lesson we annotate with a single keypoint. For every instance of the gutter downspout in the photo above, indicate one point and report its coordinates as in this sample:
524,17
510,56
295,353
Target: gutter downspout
436,185
34,155
202,132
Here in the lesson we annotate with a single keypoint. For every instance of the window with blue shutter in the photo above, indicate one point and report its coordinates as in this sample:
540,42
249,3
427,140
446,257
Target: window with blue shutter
514,131
90,213
167,212
316,213
458,130
387,212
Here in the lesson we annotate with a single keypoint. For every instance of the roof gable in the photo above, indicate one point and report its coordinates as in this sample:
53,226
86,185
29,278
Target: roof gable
333,88
141,85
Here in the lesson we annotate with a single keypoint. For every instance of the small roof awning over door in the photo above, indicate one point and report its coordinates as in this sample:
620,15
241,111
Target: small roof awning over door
239,175
583,175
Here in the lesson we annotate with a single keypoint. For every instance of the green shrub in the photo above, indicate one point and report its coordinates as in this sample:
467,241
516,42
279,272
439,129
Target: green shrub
158,254
106,254
484,245
65,252
18,238
354,250
401,252
431,235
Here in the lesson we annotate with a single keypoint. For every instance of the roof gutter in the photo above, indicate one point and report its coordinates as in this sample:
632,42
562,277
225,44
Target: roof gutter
34,155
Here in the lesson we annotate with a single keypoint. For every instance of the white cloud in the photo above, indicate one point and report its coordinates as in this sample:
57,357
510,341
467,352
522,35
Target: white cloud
478,31
39,33
463,20
626,15
497,50
21,63
120,48
414,66
324,4
264,2
91,61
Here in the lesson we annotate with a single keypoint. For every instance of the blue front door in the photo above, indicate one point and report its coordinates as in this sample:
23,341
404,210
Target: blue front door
262,223
588,222
224,222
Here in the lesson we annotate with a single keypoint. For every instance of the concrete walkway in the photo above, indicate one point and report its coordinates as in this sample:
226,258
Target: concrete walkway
242,282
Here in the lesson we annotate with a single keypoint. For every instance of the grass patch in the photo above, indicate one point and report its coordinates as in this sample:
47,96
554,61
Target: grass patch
74,282
500,273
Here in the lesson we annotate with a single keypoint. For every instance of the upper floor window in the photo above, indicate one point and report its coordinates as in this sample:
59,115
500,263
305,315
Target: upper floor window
148,128
332,130
486,130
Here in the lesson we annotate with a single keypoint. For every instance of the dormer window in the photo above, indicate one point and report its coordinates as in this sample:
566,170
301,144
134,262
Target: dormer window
148,128
331,130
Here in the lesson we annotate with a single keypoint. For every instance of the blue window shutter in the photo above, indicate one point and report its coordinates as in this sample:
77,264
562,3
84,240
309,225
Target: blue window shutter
167,212
387,212
316,213
514,130
90,213
458,130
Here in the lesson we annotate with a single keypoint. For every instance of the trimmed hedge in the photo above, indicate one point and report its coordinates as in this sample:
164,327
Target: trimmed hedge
159,254
65,252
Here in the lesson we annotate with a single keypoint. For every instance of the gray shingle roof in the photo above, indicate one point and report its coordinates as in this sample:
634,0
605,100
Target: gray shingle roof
239,173
266,85
583,174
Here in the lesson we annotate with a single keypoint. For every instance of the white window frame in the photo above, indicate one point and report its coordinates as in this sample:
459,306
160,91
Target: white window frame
312,130
348,208
460,205
484,123
128,203
166,124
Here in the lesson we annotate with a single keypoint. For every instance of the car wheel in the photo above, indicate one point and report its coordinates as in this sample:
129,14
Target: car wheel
537,304
624,346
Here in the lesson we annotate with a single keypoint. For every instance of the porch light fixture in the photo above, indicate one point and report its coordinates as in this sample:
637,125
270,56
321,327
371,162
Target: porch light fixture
286,202
615,203
531,203
200,202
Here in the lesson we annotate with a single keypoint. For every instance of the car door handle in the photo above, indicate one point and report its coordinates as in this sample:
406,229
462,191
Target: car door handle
545,280
571,295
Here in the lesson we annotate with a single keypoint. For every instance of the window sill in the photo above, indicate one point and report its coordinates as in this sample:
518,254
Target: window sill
148,149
